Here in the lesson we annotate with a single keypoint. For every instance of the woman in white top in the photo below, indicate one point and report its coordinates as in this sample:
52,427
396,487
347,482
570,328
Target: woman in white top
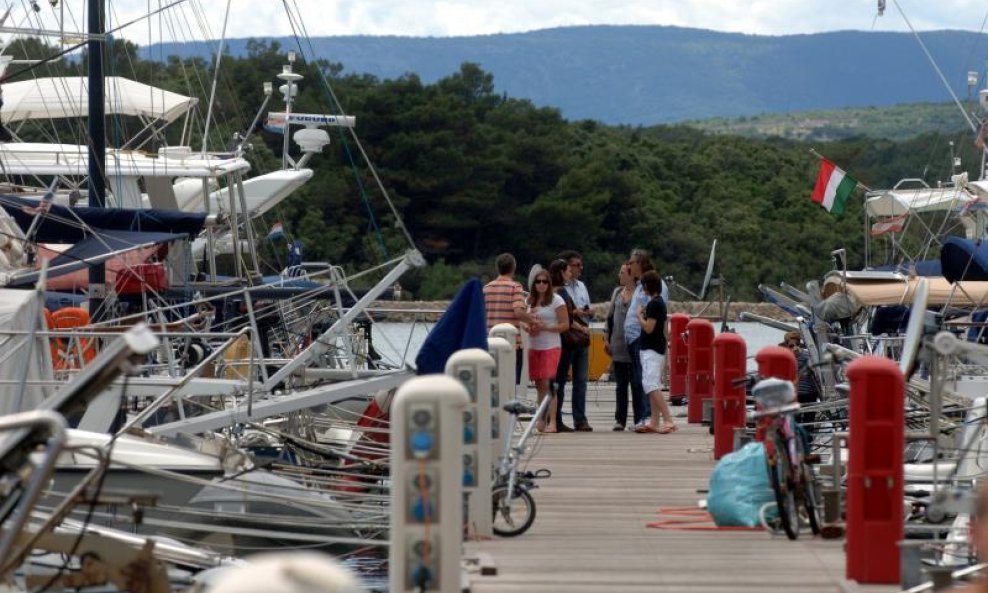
549,311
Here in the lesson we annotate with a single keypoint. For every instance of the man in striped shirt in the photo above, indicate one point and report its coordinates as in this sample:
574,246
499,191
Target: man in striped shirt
505,303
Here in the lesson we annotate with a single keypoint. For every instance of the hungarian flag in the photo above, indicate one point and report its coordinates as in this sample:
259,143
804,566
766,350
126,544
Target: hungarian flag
833,186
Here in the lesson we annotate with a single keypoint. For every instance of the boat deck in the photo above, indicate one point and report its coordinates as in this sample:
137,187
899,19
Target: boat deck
591,534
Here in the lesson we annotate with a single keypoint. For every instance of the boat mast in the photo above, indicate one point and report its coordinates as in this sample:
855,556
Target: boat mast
97,143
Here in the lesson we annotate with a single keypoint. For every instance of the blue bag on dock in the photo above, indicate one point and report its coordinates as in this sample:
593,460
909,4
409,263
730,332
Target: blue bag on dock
739,487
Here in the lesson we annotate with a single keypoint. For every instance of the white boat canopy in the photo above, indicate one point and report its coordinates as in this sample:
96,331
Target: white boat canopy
68,96
896,202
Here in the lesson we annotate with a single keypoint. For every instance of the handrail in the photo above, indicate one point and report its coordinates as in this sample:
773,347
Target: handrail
38,480
163,398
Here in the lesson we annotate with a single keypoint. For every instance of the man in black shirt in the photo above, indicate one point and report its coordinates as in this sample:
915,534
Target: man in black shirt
653,348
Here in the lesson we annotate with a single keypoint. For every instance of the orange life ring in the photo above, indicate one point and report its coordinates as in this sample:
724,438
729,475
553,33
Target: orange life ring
72,352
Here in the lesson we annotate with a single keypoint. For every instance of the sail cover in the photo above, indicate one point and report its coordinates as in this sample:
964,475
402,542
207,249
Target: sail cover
963,259
68,96
68,225
463,325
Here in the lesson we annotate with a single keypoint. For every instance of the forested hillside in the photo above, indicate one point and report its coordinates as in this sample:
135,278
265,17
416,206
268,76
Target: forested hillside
475,172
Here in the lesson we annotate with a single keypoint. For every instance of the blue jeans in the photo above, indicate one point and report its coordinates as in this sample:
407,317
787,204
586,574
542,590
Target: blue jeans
622,380
579,360
639,399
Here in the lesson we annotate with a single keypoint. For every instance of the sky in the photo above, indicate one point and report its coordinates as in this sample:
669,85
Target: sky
199,19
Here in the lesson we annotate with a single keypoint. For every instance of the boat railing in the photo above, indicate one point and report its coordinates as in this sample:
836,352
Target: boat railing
17,518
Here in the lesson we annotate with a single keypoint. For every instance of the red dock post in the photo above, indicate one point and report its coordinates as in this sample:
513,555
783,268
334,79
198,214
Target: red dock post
700,366
730,364
678,357
874,470
776,362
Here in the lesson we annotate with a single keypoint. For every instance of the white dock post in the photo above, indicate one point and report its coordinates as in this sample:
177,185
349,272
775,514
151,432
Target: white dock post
427,485
473,368
509,332
503,382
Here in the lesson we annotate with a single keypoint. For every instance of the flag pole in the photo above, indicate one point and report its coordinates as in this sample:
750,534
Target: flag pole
867,225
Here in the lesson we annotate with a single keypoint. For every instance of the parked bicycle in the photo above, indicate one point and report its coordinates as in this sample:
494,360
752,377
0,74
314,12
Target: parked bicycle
786,453
514,514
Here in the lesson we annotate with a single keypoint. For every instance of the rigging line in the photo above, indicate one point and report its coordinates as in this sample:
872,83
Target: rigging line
399,222
346,147
42,62
974,127
216,76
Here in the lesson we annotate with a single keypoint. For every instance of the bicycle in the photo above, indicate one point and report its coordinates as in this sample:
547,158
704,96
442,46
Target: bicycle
790,473
515,514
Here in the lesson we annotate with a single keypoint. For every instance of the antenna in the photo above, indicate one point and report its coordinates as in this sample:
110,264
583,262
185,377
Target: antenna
710,271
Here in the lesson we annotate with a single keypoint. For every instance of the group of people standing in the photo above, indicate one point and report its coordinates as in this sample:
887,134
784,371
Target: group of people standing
556,315
636,342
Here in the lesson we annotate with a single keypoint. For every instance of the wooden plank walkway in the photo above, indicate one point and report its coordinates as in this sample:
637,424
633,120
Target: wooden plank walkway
590,531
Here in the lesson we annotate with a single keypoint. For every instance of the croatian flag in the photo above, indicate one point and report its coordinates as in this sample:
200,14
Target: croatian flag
276,232
833,186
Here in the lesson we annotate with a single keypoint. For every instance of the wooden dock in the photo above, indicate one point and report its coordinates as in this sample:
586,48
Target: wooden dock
591,534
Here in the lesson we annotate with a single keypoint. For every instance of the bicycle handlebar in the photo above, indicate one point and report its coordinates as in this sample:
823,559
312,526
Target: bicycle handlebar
517,408
777,411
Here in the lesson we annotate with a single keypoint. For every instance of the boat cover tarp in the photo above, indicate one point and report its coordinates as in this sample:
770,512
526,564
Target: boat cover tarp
964,259
95,249
897,202
930,267
62,224
871,293
68,96
19,311
463,325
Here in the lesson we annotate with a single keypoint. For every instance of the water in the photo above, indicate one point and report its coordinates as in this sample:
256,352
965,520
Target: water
397,341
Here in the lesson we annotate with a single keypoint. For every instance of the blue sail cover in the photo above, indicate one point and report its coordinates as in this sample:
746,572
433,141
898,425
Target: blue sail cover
964,259
927,268
463,325
61,224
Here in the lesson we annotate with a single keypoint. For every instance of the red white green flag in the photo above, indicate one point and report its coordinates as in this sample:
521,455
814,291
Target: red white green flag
833,186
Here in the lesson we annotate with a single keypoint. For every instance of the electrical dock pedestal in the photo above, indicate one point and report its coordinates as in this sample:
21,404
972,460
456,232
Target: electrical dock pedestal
700,367
730,367
426,485
473,368
875,471
678,358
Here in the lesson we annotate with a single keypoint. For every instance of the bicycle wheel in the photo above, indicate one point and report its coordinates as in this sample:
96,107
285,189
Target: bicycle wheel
514,518
811,501
780,476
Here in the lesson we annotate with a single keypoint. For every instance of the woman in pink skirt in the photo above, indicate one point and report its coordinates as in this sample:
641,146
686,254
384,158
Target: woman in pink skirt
549,311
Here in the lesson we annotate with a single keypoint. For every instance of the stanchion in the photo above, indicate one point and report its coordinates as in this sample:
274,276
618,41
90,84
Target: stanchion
700,366
874,470
730,365
678,358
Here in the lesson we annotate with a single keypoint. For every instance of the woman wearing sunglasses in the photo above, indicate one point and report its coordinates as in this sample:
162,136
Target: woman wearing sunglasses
549,311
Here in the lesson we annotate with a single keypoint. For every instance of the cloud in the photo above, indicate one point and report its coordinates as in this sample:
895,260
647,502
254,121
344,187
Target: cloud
199,19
